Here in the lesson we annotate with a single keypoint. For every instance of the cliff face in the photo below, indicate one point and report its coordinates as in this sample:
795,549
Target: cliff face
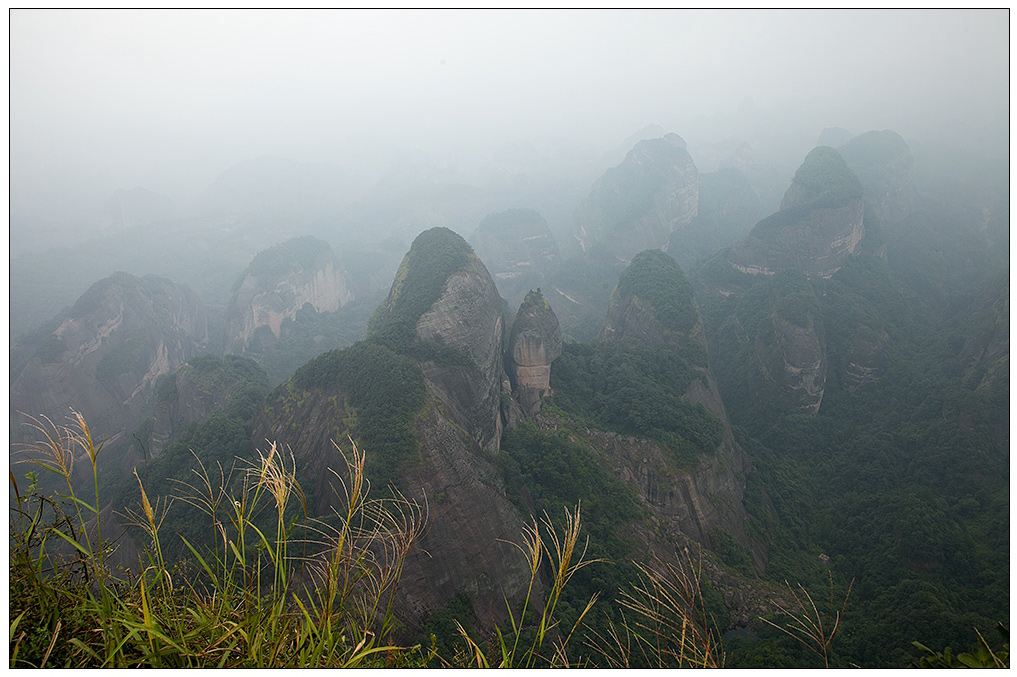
107,351
653,305
467,317
791,355
641,202
518,249
819,225
534,344
423,396
883,163
278,283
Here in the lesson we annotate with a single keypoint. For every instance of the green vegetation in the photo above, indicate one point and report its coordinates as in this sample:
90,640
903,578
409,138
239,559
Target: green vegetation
635,390
300,253
657,279
385,389
120,360
900,482
306,336
271,591
254,597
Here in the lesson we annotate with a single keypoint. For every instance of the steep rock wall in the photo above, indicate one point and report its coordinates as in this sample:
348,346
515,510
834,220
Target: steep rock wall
278,283
534,344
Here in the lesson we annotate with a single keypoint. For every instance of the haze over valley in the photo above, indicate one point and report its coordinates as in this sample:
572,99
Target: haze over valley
731,285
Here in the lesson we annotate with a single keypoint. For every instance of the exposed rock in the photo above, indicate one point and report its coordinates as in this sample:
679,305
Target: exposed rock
534,344
653,304
279,282
518,249
866,360
641,202
467,317
442,322
106,352
883,164
819,225
792,356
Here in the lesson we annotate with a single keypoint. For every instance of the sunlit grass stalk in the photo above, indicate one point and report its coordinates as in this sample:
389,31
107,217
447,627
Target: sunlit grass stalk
228,619
807,626
665,622
565,561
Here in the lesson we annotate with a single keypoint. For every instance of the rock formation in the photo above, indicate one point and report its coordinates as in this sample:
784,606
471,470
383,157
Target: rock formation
279,282
535,342
198,389
883,164
820,222
518,249
653,305
641,202
424,388
792,357
106,353
728,208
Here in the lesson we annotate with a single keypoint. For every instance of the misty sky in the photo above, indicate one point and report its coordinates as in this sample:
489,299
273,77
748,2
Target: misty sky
170,99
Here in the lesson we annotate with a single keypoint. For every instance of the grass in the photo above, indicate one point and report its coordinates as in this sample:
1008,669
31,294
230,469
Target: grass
275,588
260,597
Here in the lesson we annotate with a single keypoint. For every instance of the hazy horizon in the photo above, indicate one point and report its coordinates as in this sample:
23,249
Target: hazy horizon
169,99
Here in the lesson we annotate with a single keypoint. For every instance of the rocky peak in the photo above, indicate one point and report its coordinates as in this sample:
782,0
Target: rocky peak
422,397
883,163
819,225
103,356
823,179
444,308
279,282
653,304
641,202
534,344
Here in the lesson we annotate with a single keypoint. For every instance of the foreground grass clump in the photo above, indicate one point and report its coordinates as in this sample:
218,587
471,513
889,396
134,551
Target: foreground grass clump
273,588
269,594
